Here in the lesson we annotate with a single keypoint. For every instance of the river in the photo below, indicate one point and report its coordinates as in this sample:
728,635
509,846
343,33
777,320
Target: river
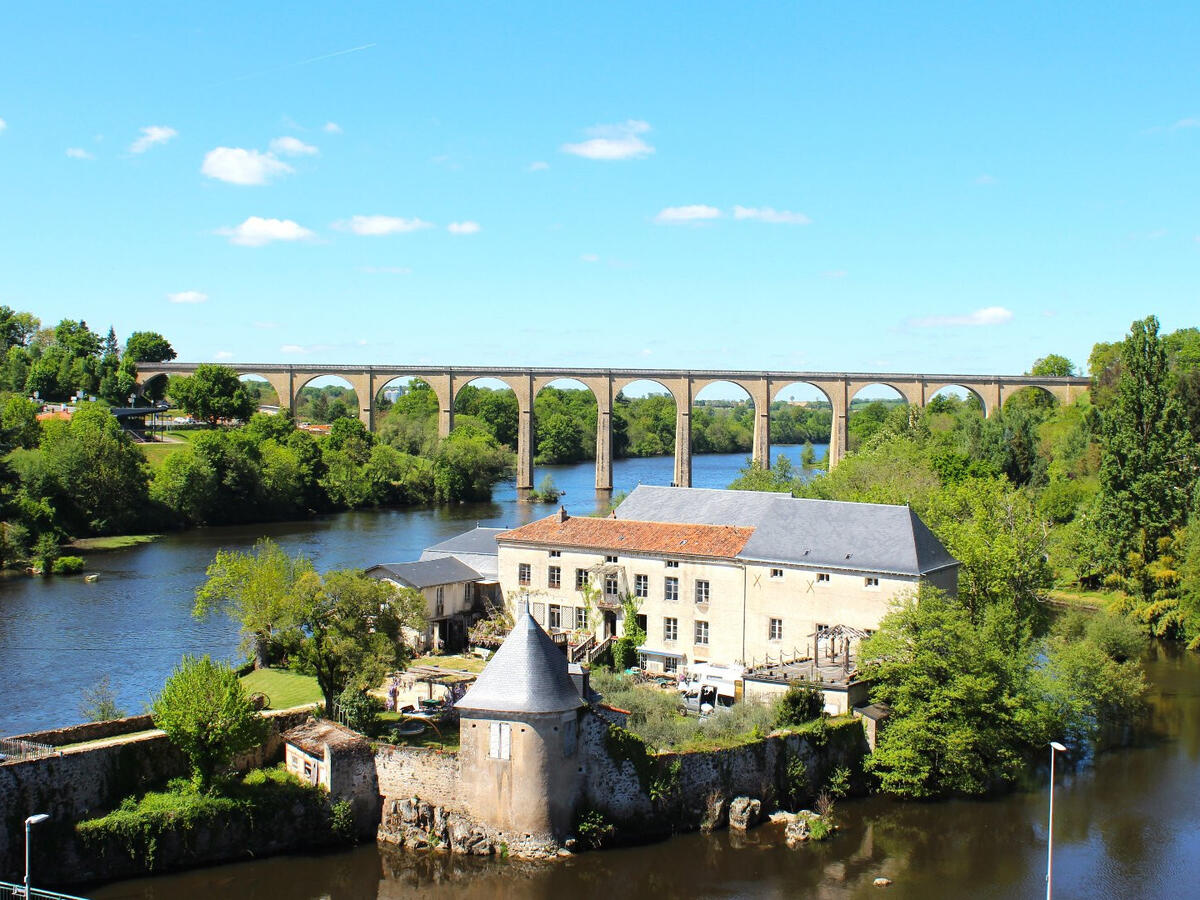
59,636
1126,826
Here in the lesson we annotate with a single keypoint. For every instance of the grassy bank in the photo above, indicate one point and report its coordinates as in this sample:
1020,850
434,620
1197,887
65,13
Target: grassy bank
111,542
284,688
1079,598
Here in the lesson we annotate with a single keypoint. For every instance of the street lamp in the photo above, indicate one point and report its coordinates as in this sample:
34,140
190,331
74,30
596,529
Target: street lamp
1055,747
35,819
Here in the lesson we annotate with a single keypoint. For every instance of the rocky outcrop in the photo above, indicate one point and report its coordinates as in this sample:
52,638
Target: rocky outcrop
419,825
744,813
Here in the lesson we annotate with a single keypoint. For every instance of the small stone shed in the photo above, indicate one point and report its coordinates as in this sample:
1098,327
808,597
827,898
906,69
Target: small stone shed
319,752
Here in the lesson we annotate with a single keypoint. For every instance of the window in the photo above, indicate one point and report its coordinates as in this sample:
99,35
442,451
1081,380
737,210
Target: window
821,629
555,616
523,574
822,576
871,582
500,741
777,573
539,614
581,579
610,559
439,606
701,591
671,589
555,554
672,564
570,728
641,585
581,617
307,769
610,585
670,629
775,631
554,577
671,665
701,632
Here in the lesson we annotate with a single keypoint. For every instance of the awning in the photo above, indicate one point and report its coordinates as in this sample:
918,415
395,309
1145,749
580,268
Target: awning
650,651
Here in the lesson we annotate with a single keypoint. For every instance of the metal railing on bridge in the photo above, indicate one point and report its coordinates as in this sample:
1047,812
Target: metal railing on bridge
17,892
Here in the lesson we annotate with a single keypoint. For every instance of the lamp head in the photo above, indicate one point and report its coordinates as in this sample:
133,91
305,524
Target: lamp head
1057,746
36,819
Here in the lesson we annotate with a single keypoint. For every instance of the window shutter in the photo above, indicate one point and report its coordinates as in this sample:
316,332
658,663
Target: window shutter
494,744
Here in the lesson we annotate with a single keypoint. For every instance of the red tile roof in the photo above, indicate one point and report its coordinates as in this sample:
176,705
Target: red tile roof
724,541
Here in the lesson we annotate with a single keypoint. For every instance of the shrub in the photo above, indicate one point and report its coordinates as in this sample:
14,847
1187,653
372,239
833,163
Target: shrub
67,565
593,827
358,710
205,712
802,703
99,703
341,821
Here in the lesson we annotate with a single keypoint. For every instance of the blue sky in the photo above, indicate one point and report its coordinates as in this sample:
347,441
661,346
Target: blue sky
869,187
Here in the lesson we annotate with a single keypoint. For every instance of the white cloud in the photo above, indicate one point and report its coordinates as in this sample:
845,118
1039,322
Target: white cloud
238,166
222,354
3,124
1190,122
291,348
985,179
386,270
266,324
379,225
590,257
463,228
188,297
539,166
835,273
332,128
78,153
290,146
989,315
256,231
682,215
773,216
152,135
608,142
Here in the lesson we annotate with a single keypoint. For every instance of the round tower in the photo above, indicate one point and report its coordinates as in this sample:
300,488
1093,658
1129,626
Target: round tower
521,768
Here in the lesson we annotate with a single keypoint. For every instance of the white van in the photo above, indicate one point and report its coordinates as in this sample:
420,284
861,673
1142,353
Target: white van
720,681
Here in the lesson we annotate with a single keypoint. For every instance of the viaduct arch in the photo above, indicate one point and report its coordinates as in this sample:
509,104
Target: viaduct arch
683,385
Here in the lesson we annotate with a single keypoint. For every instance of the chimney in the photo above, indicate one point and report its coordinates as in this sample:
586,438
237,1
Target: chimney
562,514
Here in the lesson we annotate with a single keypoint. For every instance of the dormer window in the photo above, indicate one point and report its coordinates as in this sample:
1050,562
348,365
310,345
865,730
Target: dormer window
555,554
610,559
672,564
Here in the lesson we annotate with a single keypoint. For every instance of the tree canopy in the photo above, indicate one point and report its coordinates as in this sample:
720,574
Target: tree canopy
213,393
148,346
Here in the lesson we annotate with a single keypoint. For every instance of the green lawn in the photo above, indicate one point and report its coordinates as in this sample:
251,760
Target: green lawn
156,454
1079,598
286,689
447,739
111,542
461,662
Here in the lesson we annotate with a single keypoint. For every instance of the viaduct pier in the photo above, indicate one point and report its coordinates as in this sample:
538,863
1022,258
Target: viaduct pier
839,388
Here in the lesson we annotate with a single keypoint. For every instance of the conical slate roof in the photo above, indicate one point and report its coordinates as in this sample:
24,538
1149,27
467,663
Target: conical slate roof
528,674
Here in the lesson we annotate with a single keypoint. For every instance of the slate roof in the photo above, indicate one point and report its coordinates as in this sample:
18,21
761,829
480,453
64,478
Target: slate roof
480,540
476,548
822,534
425,573
715,540
528,674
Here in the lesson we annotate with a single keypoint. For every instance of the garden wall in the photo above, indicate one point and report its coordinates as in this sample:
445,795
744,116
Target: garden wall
89,731
82,782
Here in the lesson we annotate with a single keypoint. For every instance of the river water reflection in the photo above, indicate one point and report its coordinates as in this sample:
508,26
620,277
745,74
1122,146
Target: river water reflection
1129,826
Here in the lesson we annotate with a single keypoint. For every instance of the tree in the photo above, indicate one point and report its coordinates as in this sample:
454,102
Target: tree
19,420
1053,364
205,712
212,393
350,629
964,704
99,703
1148,459
148,346
256,590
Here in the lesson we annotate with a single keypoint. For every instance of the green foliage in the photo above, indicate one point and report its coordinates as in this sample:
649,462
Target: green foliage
838,784
272,797
148,346
820,829
547,491
1053,364
593,827
205,712
67,565
358,710
801,703
99,703
257,590
341,821
212,393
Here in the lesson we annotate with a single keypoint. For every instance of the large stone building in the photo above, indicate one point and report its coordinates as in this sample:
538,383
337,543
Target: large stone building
722,576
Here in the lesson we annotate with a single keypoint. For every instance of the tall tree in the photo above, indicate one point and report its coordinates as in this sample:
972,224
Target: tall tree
1148,458
149,346
214,392
1053,364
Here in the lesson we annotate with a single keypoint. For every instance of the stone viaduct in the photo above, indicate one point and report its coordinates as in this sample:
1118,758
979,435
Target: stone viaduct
839,389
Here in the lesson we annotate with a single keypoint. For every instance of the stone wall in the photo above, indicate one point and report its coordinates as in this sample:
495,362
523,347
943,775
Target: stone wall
406,772
83,782
89,731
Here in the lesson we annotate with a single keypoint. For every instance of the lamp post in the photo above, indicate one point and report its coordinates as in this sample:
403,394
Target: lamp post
1055,747
35,819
